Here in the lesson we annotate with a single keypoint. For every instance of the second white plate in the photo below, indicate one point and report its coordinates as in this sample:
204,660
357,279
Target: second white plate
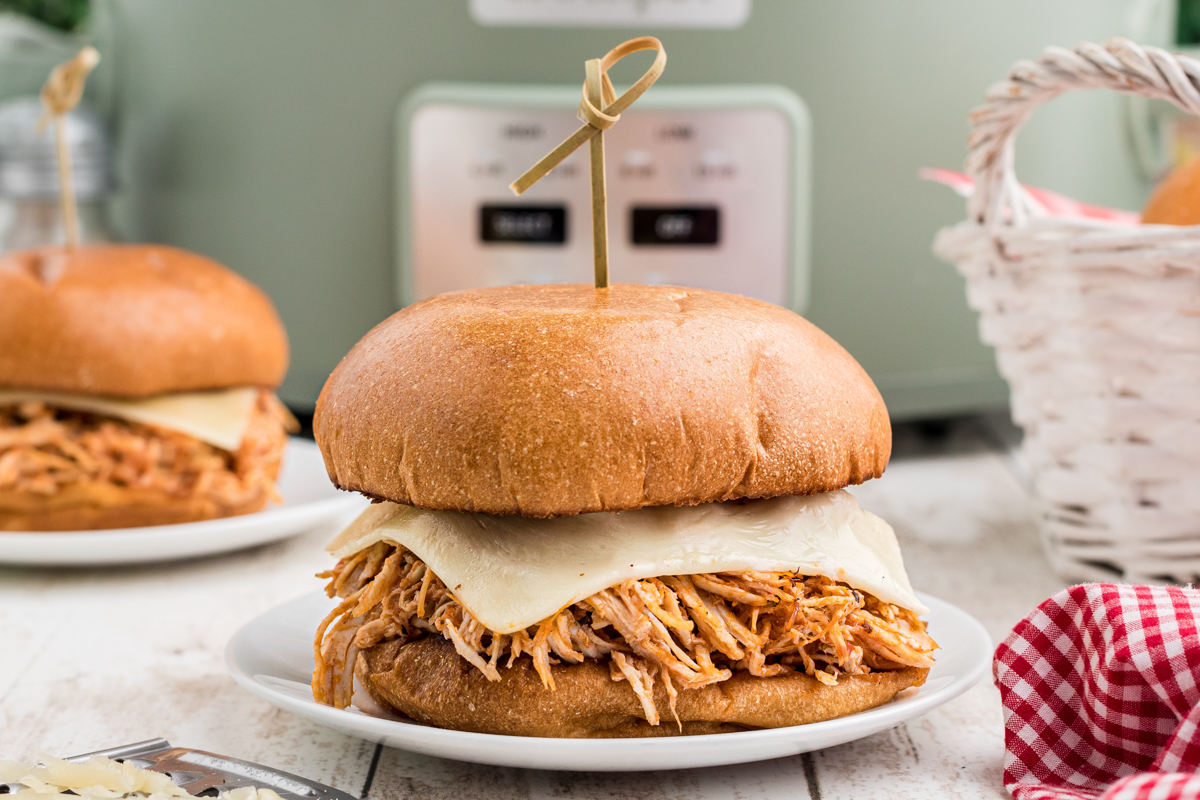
309,500
272,657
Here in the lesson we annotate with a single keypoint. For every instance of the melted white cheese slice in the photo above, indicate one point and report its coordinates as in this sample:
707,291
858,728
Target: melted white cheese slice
511,572
219,417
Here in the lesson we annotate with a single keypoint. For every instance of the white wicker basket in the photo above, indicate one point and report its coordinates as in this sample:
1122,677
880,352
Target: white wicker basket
1096,327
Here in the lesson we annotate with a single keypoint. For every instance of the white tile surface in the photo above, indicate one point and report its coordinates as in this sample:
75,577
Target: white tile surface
95,658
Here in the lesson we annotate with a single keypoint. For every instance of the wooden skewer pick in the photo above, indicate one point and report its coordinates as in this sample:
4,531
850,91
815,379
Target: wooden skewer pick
62,92
598,92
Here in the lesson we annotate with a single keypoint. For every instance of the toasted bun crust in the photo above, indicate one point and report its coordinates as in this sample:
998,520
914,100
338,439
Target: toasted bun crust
564,399
428,681
97,506
133,321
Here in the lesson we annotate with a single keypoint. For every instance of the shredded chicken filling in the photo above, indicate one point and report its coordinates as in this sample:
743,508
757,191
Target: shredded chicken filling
683,631
43,449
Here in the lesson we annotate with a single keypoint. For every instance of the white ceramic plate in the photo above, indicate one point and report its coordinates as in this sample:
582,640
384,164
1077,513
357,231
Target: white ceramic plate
309,500
272,657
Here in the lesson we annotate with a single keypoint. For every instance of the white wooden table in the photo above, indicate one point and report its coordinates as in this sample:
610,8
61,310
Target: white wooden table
100,657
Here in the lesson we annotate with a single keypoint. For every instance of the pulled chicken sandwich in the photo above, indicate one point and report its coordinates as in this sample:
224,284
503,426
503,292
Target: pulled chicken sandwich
610,513
136,388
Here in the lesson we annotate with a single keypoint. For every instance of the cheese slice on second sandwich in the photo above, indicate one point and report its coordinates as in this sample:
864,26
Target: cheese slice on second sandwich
218,417
512,572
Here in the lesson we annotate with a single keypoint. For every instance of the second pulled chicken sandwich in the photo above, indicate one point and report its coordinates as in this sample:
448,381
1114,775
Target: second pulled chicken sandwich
611,513
136,388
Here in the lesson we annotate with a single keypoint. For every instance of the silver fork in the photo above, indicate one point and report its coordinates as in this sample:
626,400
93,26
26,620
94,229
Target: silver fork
208,774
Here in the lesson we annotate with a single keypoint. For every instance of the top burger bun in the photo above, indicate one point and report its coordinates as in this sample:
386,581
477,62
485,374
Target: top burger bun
133,321
563,399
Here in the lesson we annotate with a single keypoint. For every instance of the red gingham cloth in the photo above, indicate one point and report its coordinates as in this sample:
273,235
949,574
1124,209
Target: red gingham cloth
1101,692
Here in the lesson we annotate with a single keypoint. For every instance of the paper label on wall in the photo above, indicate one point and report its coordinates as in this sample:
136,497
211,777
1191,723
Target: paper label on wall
612,13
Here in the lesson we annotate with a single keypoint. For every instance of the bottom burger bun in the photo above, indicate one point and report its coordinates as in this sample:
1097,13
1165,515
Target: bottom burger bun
426,680
96,506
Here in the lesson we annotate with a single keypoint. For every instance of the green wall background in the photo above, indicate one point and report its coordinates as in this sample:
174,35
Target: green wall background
260,133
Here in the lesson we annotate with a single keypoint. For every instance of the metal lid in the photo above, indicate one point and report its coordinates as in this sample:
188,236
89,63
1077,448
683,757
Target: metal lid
28,164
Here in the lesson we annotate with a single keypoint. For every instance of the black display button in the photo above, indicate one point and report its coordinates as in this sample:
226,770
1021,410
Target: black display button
523,224
692,225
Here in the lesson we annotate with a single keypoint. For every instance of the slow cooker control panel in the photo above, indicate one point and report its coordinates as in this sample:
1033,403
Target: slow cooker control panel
707,187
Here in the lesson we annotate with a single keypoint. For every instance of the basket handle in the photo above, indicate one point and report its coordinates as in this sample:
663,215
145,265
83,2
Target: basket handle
1119,65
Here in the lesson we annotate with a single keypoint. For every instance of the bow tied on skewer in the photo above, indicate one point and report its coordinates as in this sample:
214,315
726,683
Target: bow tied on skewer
600,109
62,92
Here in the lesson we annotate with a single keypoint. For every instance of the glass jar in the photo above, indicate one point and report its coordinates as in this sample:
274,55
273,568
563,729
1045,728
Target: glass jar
30,215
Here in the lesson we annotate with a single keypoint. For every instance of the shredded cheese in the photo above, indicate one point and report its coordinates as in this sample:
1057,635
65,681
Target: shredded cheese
103,779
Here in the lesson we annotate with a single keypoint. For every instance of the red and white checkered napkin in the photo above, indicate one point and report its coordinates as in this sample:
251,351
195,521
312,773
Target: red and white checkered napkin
1101,691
